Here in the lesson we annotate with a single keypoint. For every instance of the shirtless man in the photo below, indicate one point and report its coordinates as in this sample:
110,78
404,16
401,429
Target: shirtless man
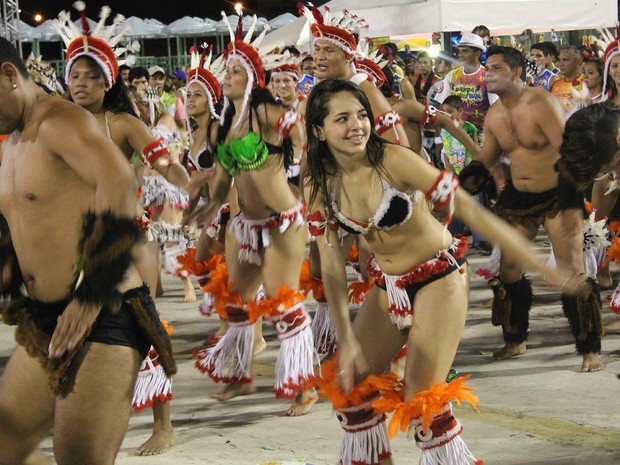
527,123
55,193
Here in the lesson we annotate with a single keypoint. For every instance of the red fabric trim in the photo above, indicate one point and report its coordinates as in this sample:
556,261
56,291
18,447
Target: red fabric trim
154,151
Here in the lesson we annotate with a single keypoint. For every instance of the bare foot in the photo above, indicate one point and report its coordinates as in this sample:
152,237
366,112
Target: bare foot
234,390
302,403
158,443
591,362
613,327
509,351
36,458
259,346
190,294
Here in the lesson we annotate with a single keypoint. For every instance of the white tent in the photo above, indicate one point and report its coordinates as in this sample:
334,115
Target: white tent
407,17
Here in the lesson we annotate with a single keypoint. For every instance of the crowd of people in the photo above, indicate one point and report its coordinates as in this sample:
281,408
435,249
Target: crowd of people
263,177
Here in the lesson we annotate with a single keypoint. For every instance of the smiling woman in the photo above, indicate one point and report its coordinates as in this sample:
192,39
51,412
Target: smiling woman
360,184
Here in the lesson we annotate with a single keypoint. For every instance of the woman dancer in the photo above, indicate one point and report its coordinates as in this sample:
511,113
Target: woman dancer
357,182
254,149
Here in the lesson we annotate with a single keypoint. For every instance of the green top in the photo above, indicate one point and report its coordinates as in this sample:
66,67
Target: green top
456,155
242,153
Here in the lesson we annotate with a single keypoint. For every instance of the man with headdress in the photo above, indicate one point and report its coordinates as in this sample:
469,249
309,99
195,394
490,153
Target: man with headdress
69,203
334,45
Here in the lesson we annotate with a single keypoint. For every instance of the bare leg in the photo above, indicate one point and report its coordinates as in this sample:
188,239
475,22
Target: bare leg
91,420
148,257
259,341
246,281
379,338
566,234
511,272
37,458
435,333
26,408
613,327
188,289
162,438
282,266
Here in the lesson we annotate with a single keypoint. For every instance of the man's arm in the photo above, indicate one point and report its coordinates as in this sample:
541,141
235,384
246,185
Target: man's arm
380,106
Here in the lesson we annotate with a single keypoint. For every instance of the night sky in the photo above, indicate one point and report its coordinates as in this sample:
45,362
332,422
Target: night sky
163,10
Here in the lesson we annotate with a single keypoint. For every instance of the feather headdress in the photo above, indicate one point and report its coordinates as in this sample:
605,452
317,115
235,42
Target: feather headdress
101,44
254,62
339,29
371,63
208,74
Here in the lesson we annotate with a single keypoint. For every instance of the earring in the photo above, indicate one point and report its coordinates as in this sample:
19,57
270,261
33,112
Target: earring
14,86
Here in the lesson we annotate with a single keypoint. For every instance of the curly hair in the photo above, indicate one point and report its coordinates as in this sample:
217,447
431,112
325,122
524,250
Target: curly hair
321,162
589,143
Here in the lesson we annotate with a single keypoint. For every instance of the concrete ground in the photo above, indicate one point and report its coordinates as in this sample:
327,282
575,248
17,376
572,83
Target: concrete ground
536,409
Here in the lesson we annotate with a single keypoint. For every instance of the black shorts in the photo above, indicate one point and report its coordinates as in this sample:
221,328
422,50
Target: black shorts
118,328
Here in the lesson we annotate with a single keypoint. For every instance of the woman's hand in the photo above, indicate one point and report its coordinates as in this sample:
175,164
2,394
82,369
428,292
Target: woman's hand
352,364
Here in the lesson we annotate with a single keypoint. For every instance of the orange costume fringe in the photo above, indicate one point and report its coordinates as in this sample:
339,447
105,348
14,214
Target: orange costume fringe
230,359
428,418
202,271
365,440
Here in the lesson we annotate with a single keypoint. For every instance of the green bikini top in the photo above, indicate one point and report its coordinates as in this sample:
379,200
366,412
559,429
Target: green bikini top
242,153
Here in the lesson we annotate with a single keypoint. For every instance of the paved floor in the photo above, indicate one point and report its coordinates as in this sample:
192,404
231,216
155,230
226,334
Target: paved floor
534,409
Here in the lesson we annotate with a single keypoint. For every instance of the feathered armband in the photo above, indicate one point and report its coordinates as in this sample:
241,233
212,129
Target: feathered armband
104,254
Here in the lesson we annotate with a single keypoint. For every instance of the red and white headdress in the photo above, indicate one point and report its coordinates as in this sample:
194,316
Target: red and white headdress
207,74
611,50
252,60
371,63
290,69
100,44
338,29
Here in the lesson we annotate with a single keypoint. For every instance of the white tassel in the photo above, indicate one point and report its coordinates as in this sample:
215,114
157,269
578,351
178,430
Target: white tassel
206,304
103,15
448,448
363,443
171,264
614,303
152,384
79,6
323,329
247,232
399,305
230,359
294,365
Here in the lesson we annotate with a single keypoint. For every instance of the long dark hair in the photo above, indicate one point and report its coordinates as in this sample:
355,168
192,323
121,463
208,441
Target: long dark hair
258,96
589,142
116,99
321,162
